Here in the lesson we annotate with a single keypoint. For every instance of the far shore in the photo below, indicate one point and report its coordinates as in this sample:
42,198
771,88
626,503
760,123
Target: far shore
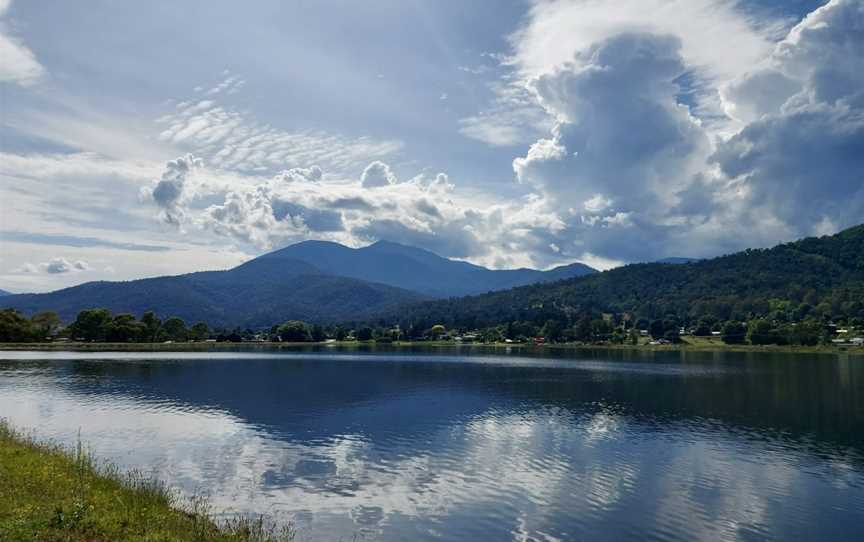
689,344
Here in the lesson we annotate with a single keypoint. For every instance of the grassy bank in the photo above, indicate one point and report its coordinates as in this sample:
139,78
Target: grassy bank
48,493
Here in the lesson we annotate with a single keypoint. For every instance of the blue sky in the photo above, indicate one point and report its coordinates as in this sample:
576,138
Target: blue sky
162,137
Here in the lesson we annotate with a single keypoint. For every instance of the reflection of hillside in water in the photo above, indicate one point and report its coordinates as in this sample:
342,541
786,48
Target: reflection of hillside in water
818,398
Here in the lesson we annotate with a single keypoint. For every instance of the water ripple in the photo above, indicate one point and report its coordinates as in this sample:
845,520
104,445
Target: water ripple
394,447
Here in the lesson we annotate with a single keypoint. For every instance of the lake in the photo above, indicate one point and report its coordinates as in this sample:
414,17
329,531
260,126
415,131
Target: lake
470,445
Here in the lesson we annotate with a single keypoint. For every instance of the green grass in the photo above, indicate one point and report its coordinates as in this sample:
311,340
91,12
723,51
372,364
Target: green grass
48,494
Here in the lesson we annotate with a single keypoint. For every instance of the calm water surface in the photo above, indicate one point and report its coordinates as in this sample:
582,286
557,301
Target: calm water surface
414,445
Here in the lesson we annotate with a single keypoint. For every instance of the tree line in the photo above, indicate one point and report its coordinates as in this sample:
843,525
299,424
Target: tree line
98,325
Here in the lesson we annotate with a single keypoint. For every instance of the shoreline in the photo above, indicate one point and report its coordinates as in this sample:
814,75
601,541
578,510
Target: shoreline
702,346
55,493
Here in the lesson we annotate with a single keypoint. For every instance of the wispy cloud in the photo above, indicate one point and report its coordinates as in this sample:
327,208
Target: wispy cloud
18,64
76,241
236,140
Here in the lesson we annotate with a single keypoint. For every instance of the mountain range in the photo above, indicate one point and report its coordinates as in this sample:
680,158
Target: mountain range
4,293
314,280
416,269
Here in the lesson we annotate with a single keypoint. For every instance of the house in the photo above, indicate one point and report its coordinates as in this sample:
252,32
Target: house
857,341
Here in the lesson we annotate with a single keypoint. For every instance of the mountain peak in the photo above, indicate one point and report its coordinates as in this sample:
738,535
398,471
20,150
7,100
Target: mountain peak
393,246
411,268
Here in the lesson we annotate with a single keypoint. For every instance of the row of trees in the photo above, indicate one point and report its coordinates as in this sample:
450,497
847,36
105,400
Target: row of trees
299,331
98,325
615,330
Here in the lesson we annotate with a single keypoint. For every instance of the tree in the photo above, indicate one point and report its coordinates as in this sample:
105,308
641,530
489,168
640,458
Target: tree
318,334
524,330
437,331
583,332
492,335
91,325
152,324
174,329
364,334
601,329
733,333
657,329
672,335
295,331
703,328
761,332
45,324
14,327
553,330
124,328
199,331
340,334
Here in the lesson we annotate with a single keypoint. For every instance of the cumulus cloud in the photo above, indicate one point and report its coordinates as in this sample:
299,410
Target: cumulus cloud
377,174
312,173
556,29
423,211
801,157
632,169
170,192
55,266
19,64
622,147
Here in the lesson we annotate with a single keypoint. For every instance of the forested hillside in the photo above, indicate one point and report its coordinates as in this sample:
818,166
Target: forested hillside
255,294
815,277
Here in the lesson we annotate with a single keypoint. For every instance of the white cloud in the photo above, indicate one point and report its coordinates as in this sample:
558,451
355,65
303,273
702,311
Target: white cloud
633,172
377,174
55,266
425,211
801,157
558,28
623,147
234,140
170,192
313,174
229,85
513,118
18,64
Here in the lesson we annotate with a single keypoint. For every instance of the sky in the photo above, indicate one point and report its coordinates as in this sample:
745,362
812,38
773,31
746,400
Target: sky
150,138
